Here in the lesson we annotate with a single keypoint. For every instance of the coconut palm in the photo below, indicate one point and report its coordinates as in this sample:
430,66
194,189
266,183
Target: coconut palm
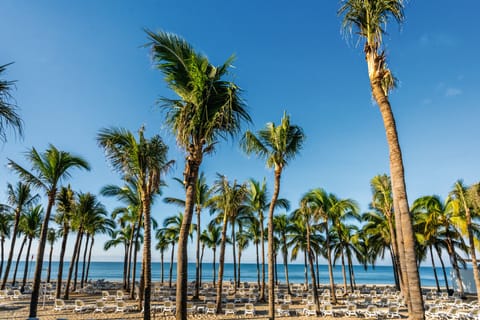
48,170
280,223
227,201
19,198
5,225
30,226
8,110
369,19
65,211
463,206
144,161
212,238
162,245
208,108
52,237
344,248
243,241
277,145
297,235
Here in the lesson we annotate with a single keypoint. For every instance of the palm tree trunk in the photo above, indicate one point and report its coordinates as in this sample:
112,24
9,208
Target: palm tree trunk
192,166
12,247
37,278
285,263
258,265
171,266
394,251
129,258
312,270
305,268
401,259
135,255
330,265
49,263
197,266
454,262
318,269
395,268
77,259
344,274
147,253
276,269
443,269
125,264
14,280
72,265
402,211
234,254
161,260
214,266
3,257
141,285
222,263
66,229
25,270
89,258
350,272
471,248
201,265
85,251
239,265
262,239
271,251
434,269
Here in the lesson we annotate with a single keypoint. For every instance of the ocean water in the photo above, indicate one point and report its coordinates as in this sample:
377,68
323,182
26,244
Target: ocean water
113,271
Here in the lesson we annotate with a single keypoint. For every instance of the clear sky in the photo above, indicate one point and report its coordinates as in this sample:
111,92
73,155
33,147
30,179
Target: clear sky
81,66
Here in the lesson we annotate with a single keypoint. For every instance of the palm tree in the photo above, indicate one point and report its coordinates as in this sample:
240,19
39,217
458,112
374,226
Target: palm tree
144,161
277,145
48,170
172,226
228,199
51,239
297,235
19,198
281,223
5,225
369,18
211,237
65,211
202,197
8,110
162,245
30,225
209,108
242,242
463,206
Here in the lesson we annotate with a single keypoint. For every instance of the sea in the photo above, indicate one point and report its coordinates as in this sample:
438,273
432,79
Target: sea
113,271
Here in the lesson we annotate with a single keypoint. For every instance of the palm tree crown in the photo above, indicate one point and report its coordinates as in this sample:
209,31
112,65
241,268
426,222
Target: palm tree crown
8,110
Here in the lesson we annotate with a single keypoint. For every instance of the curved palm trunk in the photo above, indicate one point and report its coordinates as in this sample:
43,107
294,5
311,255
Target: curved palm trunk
214,266
239,265
125,264
305,268
66,229
89,258
350,271
271,249
234,257
402,211
434,269
443,269
37,278
285,263
192,166
262,237
77,260
162,266
318,269
25,270
14,280
49,263
395,268
135,255
401,258
454,262
344,274
471,248
201,265
72,265
84,264
129,258
276,269
394,251
147,254
12,247
171,266
197,266
221,263
312,270
330,265
2,248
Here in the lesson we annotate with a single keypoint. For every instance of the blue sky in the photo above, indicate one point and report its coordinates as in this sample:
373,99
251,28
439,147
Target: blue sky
81,66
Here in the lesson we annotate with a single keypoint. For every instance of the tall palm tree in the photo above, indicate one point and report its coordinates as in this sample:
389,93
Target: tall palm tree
297,235
464,206
30,225
8,110
162,245
228,200
369,18
19,198
52,237
208,108
144,161
5,225
65,211
212,238
277,145
48,170
242,243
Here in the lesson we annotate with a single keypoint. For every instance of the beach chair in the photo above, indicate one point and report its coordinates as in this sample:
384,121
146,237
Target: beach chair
287,299
310,310
191,308
351,310
168,307
433,313
106,296
120,295
18,295
249,309
230,309
80,306
4,294
59,305
121,306
99,306
211,308
392,312
371,312
252,298
327,310
283,309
